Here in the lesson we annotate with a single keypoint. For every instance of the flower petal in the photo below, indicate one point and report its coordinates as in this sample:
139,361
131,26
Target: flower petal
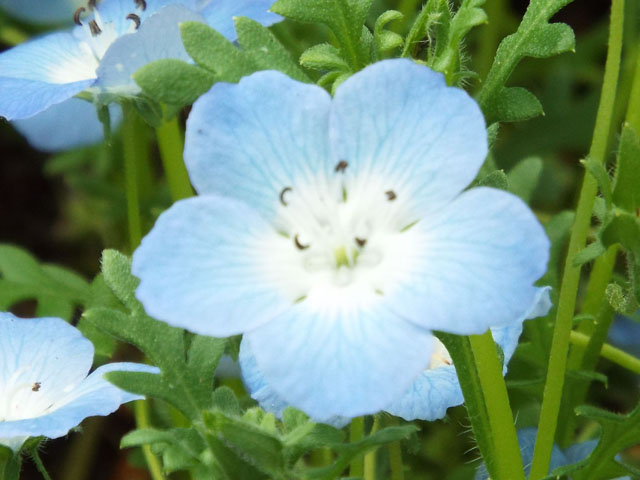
399,120
94,396
42,11
266,396
474,266
205,267
327,360
158,37
70,124
219,14
249,141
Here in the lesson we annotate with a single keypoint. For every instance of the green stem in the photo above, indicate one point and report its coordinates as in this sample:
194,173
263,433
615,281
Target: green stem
417,30
141,411
509,462
395,461
9,464
370,457
39,465
171,145
83,449
552,395
356,433
611,353
633,109
130,144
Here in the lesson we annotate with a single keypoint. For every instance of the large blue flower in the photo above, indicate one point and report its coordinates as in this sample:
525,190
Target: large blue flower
99,56
44,387
434,391
334,234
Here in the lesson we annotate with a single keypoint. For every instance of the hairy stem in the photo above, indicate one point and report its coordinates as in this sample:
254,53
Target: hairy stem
356,433
611,353
171,145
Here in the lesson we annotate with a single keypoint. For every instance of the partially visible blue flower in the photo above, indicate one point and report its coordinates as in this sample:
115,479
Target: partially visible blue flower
335,233
100,56
625,333
431,394
559,458
42,11
44,387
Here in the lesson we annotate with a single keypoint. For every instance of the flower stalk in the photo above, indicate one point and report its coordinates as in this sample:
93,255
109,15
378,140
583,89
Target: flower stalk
171,145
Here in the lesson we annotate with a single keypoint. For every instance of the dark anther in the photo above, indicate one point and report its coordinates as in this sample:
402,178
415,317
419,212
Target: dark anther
341,166
391,195
361,242
135,18
76,16
92,4
283,193
36,387
141,4
95,29
300,246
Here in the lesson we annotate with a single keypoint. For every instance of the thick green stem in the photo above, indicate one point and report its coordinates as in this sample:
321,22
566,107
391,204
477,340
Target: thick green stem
509,462
171,145
141,411
356,433
569,287
633,109
611,353
370,457
131,150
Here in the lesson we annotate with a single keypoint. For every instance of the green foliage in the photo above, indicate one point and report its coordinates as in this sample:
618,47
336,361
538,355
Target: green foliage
524,177
535,37
626,190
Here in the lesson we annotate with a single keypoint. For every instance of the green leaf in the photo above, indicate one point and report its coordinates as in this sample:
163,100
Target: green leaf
623,228
386,40
225,400
626,190
524,177
323,57
496,179
215,53
173,82
590,253
535,37
57,290
9,464
598,171
261,449
345,18
232,465
264,49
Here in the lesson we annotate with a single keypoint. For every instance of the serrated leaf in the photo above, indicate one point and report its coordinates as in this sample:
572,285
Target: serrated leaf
345,18
524,177
173,81
626,190
535,37
264,49
323,57
214,52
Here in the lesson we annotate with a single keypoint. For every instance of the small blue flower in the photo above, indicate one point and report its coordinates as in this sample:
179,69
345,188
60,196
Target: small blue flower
431,394
44,387
334,235
99,56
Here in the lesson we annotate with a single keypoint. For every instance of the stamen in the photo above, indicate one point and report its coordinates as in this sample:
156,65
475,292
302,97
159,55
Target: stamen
95,29
391,195
283,193
36,387
135,18
141,4
299,245
361,241
76,16
341,166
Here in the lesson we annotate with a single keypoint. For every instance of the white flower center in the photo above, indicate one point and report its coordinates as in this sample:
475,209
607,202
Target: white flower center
23,396
347,238
440,356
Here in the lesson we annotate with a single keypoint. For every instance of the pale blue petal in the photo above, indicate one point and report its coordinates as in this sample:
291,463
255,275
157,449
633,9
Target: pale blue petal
202,267
475,266
625,333
70,124
438,389
579,451
266,396
250,140
42,11
327,360
219,14
93,396
399,121
158,37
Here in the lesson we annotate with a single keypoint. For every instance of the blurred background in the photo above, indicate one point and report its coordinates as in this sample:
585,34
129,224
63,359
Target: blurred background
66,207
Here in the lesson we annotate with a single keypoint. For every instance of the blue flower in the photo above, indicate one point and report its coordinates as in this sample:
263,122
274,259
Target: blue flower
625,333
99,56
44,387
431,394
334,235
